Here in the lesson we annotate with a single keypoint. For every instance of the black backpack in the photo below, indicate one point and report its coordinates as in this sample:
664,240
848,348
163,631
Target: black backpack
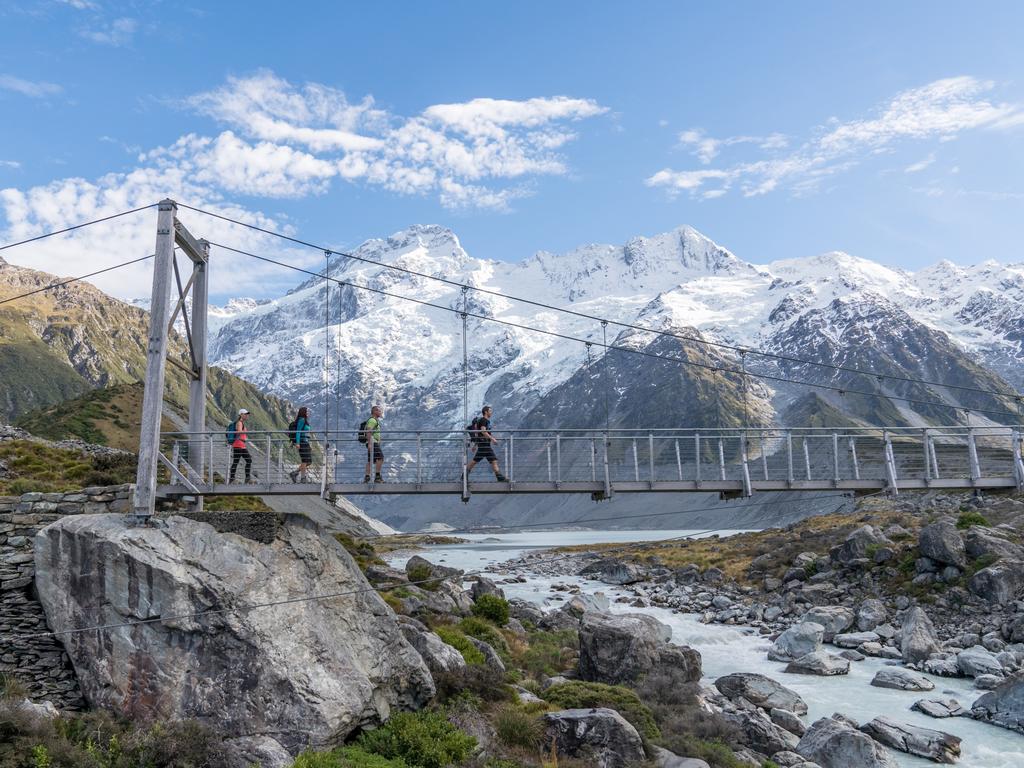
291,432
362,432
474,431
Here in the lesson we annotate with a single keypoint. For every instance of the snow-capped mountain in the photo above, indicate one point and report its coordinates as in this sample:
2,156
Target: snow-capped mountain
962,326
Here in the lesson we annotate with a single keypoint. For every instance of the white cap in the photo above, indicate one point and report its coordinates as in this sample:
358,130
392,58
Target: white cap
242,411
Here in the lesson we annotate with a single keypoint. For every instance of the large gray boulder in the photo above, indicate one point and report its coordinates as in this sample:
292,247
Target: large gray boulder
858,544
977,660
761,691
901,679
425,570
988,542
601,737
833,619
304,673
611,570
623,648
837,744
942,543
819,663
1004,706
439,657
871,613
665,759
939,708
918,640
756,730
798,640
484,586
937,746
999,583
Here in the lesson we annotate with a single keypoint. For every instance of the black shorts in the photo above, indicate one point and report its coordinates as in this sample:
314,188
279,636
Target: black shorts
378,454
305,453
484,452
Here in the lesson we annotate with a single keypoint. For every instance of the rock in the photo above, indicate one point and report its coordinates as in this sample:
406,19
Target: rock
1004,706
988,682
987,542
941,542
601,737
885,631
665,759
484,586
835,744
760,691
797,641
871,613
999,583
263,751
855,639
525,611
788,720
526,697
491,657
423,566
851,655
597,602
622,648
435,652
976,661
939,707
43,710
858,544
757,731
942,667
918,639
308,672
611,570
937,746
819,663
901,679
833,618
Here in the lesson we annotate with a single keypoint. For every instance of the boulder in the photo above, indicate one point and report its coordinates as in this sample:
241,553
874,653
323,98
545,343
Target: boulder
976,660
784,718
939,707
263,751
937,746
942,667
622,648
428,570
918,640
999,583
601,737
833,619
611,570
798,640
525,611
435,652
1004,706
901,680
987,542
491,657
308,672
484,586
597,602
819,663
988,682
833,743
858,544
871,613
761,691
665,759
757,731
942,543
855,639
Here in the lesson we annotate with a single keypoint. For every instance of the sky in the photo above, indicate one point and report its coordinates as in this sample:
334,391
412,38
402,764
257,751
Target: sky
894,132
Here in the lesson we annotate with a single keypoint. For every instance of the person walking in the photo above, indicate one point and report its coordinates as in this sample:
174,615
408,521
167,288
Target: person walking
374,456
300,436
240,447
484,442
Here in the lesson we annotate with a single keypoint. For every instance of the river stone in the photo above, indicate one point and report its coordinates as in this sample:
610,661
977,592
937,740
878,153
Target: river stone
942,667
622,648
941,542
601,737
597,602
819,663
939,708
988,682
761,691
871,613
611,570
999,583
855,639
798,640
309,673
1004,706
790,721
833,619
976,660
835,744
937,746
918,640
901,679
757,731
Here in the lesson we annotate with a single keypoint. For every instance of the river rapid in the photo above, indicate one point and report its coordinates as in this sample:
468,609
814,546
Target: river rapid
726,649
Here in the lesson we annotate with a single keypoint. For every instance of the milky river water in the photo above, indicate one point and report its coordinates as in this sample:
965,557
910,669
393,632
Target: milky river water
726,649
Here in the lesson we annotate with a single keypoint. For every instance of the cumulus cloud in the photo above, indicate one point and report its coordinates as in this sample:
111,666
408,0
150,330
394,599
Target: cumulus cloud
34,89
117,33
938,111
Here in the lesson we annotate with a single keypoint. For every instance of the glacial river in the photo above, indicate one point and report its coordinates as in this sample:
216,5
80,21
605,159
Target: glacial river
726,649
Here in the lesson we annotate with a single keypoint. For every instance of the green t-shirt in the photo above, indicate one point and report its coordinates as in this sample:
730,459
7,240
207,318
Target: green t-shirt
373,427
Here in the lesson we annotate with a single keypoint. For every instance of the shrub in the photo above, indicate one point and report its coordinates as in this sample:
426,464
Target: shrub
422,739
394,602
967,519
483,630
548,652
492,608
420,576
478,681
346,757
362,551
577,694
454,637
516,727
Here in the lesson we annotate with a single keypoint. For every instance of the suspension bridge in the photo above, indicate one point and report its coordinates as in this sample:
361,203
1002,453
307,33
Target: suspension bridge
197,462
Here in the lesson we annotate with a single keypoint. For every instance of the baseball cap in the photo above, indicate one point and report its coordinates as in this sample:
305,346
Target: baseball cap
242,411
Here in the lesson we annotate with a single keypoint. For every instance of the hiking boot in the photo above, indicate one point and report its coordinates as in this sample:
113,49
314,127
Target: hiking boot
500,478
248,480
366,478
378,479
294,475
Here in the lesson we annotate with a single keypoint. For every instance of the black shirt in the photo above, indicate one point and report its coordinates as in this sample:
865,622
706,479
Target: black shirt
482,423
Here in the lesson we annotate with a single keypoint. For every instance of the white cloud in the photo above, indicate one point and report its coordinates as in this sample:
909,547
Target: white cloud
34,89
117,33
920,165
81,5
9,164
938,111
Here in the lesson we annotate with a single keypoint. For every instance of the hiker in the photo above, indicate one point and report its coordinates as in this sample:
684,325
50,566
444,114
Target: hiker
299,434
371,430
484,441
239,446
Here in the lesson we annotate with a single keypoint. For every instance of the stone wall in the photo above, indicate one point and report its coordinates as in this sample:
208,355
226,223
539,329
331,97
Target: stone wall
40,663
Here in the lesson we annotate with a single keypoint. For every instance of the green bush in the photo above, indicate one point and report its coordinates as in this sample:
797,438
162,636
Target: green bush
967,519
420,576
454,637
422,739
492,608
515,727
346,757
484,630
548,653
475,681
578,694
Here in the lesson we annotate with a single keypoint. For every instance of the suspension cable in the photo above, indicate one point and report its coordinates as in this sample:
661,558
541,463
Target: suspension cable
70,280
77,226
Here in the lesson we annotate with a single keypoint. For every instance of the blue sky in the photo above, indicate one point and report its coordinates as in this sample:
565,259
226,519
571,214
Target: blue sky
779,130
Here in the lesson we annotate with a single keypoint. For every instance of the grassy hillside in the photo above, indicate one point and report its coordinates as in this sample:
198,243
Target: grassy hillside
44,468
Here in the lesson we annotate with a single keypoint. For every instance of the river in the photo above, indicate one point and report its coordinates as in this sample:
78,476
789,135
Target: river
726,649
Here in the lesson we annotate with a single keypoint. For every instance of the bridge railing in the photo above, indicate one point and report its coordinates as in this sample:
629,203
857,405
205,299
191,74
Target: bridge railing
766,457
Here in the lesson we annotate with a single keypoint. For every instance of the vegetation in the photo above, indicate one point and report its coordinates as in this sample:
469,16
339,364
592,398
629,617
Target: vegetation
967,519
423,739
578,694
547,653
457,640
235,504
346,757
483,630
362,551
517,727
34,466
492,608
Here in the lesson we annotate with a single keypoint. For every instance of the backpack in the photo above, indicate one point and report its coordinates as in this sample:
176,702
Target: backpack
230,435
362,432
291,432
474,431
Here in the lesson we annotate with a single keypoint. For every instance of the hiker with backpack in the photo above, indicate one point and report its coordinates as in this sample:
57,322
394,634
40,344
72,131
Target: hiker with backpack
238,439
369,432
299,433
483,442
